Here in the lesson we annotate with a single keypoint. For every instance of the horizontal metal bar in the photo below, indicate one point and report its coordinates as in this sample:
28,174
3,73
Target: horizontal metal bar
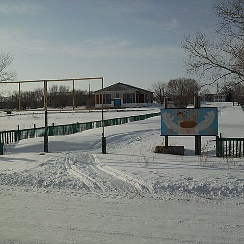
50,80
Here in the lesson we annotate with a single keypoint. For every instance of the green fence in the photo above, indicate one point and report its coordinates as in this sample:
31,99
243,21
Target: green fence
7,137
229,147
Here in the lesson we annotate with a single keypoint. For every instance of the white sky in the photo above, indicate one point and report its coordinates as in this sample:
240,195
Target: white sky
135,42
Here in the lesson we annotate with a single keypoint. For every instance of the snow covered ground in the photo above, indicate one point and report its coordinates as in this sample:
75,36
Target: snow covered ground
76,194
27,119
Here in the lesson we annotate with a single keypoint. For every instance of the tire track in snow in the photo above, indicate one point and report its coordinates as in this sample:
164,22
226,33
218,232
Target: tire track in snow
98,177
78,174
140,185
92,177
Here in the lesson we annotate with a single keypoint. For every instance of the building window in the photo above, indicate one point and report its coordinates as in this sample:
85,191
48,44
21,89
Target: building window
129,98
124,98
107,98
141,98
97,99
101,98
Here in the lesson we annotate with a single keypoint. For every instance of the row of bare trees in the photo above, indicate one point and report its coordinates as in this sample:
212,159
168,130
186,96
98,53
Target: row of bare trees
181,91
61,96
234,92
58,97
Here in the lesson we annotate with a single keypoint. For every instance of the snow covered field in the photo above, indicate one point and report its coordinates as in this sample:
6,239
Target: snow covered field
76,194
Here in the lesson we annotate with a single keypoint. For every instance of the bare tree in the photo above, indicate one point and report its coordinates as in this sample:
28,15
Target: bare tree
64,96
5,74
159,90
223,58
182,91
59,96
233,92
53,96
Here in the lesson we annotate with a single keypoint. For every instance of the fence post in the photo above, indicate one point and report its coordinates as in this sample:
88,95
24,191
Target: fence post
217,146
1,148
18,134
34,130
78,126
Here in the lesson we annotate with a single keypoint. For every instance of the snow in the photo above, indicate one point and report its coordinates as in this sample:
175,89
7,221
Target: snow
76,194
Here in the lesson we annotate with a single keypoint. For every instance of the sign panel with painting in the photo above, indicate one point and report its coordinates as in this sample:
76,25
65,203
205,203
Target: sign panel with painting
189,121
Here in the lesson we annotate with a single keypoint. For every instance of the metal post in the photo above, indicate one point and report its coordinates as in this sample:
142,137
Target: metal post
46,122
73,94
34,130
18,133
103,133
1,148
19,98
197,138
217,146
166,144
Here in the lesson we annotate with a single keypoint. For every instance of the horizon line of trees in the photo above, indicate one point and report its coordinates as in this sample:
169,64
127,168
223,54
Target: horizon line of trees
182,91
57,97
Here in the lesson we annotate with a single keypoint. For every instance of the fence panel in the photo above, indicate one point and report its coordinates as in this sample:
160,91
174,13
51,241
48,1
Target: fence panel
230,147
7,137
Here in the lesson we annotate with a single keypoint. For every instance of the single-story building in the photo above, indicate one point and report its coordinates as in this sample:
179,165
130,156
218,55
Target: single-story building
214,98
122,95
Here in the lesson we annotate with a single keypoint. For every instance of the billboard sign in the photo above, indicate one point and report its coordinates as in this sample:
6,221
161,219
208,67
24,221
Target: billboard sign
189,121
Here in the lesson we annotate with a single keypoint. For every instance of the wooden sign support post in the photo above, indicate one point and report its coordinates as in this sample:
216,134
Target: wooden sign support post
166,144
197,138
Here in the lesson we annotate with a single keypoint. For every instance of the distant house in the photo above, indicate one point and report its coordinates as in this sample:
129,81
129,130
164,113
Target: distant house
122,95
214,98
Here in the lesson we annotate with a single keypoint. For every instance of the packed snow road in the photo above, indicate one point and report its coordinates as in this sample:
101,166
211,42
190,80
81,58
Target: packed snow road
62,217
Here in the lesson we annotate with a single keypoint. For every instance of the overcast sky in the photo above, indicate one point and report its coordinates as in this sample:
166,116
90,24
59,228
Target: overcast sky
131,41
